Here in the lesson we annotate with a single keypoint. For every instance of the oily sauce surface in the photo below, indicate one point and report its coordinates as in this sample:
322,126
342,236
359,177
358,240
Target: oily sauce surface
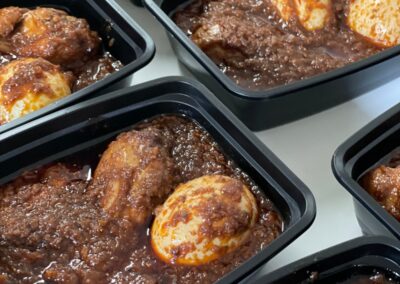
376,277
382,182
96,69
66,41
53,229
253,46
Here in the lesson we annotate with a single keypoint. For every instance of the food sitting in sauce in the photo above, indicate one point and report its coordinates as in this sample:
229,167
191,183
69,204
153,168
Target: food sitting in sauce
263,44
377,21
29,84
58,224
56,39
383,184
134,175
203,219
312,14
55,36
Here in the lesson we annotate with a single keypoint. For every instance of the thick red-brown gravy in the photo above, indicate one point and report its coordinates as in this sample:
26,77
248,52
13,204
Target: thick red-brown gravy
250,42
54,230
65,41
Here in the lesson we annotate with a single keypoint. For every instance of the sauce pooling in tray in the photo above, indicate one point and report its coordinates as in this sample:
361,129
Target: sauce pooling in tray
61,223
376,277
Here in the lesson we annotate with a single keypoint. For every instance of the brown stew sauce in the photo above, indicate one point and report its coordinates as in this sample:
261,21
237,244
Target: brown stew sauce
67,42
258,50
53,230
94,70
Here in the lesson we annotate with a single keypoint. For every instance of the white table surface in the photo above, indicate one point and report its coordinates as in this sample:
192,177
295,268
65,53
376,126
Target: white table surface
305,146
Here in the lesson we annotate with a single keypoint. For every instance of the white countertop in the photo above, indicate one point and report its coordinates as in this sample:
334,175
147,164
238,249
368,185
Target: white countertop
306,146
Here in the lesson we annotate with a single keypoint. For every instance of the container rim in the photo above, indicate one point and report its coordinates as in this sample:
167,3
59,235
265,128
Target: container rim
307,205
143,59
271,93
344,158
356,244
309,212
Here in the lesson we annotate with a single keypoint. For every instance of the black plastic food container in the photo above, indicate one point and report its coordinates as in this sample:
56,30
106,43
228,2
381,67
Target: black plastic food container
98,121
365,150
138,3
264,109
361,256
122,37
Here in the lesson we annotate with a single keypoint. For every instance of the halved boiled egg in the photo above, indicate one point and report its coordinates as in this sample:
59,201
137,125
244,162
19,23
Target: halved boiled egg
312,14
376,20
29,84
203,220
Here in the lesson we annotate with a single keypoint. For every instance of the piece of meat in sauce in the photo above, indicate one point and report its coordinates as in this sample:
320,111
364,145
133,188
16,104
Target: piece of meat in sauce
54,35
49,36
134,175
59,225
383,183
262,44
9,17
53,229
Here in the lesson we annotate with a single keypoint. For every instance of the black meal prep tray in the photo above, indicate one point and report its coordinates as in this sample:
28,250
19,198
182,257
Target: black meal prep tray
361,256
122,37
264,109
366,149
98,121
138,3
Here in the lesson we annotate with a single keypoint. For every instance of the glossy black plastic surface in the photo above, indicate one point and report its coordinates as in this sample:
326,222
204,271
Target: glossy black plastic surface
122,37
361,256
98,121
264,109
138,3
